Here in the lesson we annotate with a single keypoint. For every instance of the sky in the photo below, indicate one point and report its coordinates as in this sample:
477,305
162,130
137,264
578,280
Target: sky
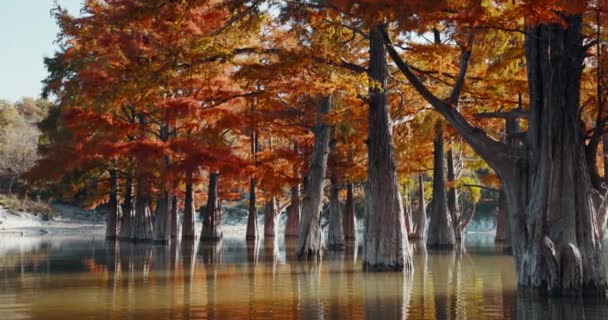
27,34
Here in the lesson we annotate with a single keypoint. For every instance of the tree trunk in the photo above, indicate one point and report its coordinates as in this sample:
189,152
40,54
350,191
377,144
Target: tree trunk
512,129
407,209
270,217
126,223
188,232
162,219
174,220
453,209
293,213
501,219
142,224
385,244
421,220
552,218
602,207
252,217
546,178
441,231
112,221
349,219
310,238
335,232
10,185
213,216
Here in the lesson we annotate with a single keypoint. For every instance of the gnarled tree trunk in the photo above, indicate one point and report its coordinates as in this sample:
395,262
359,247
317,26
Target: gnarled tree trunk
385,244
310,238
546,177
552,218
188,232
349,219
335,233
441,232
293,213
270,218
213,216
112,221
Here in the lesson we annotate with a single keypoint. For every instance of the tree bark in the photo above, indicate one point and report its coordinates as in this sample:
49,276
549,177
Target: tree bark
452,194
335,232
293,213
188,232
112,221
310,238
213,216
441,230
421,219
349,219
162,219
270,218
126,222
252,217
385,244
174,220
501,219
408,212
142,223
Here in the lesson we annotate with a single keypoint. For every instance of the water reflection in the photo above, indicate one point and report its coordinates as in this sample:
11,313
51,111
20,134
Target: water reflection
233,279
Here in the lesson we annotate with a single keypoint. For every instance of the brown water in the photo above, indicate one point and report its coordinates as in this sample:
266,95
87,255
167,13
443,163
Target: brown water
92,279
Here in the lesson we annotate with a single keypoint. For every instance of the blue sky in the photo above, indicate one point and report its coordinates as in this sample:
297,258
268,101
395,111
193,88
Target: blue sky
27,32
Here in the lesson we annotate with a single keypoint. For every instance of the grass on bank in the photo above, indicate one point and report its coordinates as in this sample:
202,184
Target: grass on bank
15,204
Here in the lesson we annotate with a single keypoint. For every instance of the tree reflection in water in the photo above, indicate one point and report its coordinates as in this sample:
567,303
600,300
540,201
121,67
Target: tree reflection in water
235,279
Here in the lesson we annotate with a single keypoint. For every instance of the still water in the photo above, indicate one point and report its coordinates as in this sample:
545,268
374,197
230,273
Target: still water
92,279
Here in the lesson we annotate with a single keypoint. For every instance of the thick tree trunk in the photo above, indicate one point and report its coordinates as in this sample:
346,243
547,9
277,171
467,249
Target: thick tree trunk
385,244
310,238
335,232
441,231
162,219
213,216
188,232
174,221
501,219
142,223
126,221
293,213
270,218
552,218
349,219
512,129
421,220
112,221
252,217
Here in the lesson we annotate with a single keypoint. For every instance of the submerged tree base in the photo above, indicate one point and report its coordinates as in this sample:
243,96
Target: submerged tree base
367,267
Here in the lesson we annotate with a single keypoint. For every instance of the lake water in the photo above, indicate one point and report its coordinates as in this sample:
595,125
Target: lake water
92,279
